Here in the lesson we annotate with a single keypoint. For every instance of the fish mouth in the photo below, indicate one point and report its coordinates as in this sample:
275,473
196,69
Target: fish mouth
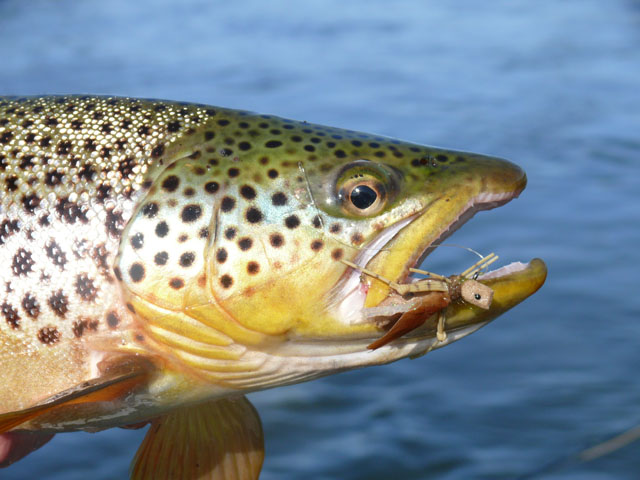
371,301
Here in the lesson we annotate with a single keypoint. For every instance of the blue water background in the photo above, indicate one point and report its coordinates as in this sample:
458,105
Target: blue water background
552,85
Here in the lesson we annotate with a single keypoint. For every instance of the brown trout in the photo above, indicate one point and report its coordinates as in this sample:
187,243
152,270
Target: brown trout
162,259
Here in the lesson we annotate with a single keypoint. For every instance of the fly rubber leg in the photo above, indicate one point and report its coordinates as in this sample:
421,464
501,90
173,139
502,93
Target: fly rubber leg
441,334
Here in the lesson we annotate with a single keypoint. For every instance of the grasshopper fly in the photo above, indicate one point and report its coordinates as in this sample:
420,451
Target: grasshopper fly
435,293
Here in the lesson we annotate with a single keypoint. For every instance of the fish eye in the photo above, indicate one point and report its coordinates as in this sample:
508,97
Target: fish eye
360,189
477,296
363,196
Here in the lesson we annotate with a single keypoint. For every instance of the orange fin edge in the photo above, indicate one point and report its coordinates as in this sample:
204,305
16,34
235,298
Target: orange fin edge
216,440
112,384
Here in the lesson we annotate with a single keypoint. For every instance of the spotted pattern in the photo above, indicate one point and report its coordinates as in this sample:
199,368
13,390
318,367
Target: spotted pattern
72,170
108,198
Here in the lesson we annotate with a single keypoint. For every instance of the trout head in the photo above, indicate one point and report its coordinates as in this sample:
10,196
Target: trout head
233,260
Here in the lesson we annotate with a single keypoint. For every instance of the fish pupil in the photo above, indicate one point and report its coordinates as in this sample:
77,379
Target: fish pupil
363,196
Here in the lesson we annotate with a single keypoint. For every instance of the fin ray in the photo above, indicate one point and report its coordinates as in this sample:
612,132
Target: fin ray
107,387
217,440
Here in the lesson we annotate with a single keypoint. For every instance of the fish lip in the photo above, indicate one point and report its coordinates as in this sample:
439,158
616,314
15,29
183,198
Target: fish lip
351,307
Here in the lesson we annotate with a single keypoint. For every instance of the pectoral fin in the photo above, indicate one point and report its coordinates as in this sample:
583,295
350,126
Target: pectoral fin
111,385
216,440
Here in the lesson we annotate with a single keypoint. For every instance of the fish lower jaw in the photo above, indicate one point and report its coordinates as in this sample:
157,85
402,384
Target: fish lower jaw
301,361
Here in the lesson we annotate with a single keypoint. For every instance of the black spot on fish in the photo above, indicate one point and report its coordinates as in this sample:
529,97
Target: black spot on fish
279,199
245,243
253,268
276,240
11,183
6,137
79,326
104,191
248,192
292,221
56,254
221,255
59,303
227,204
157,151
8,228
150,210
114,222
161,258
71,212
226,281
162,229
49,335
191,213
10,315
87,172
136,272
22,262
171,183
137,241
64,147
31,306
27,162
30,203
211,187
253,215
85,288
230,233
186,259
112,319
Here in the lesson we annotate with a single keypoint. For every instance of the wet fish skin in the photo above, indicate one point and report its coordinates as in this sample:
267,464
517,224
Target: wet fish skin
185,253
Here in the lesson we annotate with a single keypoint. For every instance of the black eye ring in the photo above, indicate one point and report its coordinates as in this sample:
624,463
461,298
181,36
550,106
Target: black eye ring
363,196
